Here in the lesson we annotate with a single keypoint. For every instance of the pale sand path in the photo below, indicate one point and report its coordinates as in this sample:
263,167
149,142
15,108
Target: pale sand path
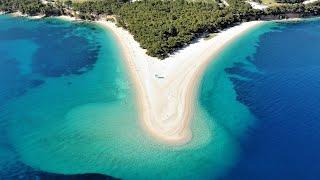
309,1
166,88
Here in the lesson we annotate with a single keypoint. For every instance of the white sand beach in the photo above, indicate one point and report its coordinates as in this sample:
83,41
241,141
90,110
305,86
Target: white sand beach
67,18
310,1
20,14
166,88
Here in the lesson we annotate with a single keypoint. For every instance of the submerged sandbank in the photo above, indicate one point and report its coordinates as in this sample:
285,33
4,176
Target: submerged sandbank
166,88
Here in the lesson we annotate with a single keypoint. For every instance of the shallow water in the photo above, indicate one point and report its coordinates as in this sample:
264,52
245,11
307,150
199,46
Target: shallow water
49,70
67,106
72,111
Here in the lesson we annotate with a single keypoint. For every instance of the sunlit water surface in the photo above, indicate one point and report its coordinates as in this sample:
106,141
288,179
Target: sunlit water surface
68,106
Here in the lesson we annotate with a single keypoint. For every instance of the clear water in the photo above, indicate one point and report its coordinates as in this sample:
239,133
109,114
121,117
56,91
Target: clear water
283,94
68,107
50,71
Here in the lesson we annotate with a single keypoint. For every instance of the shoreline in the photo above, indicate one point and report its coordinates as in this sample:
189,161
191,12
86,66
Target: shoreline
166,89
20,14
67,18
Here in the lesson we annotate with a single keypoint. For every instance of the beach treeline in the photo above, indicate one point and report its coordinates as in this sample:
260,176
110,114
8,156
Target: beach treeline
32,7
164,26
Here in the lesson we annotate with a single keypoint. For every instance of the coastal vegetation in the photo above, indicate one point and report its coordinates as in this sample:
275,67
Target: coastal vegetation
162,27
289,1
31,7
277,2
106,7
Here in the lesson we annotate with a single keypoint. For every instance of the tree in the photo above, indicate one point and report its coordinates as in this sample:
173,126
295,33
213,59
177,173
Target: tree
68,3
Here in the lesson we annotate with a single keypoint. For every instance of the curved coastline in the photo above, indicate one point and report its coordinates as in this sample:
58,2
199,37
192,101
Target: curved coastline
166,89
171,94
116,144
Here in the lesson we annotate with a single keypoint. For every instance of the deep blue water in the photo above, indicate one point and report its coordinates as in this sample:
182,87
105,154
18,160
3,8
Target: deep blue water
34,52
284,96
51,42
21,171
274,72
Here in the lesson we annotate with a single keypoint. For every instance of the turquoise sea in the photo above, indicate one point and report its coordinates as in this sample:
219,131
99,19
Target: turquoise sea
67,107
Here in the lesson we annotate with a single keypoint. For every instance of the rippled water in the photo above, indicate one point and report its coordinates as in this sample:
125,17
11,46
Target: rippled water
49,70
68,107
283,94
